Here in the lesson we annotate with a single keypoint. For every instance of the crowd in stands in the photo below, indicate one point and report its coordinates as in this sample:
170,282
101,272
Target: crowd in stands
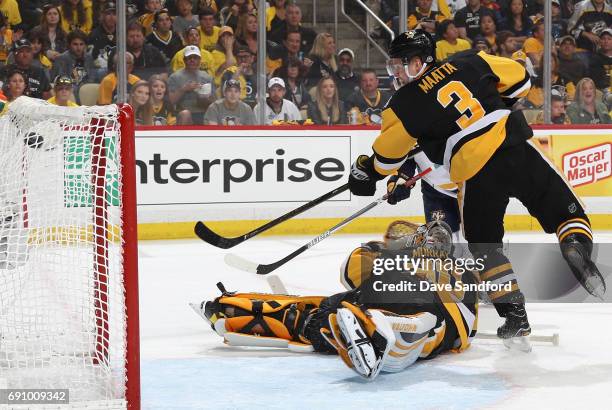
194,61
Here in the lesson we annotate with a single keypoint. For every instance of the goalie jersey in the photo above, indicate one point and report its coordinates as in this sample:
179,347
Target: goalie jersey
458,112
456,310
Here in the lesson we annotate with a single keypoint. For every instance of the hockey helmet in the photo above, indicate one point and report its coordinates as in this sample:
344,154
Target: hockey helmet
406,46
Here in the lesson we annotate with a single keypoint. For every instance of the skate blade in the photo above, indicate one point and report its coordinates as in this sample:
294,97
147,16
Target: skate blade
520,343
594,282
596,286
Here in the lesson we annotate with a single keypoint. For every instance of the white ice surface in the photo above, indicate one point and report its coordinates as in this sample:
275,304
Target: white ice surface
185,365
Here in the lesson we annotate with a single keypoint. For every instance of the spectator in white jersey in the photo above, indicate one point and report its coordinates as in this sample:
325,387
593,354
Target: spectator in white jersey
277,107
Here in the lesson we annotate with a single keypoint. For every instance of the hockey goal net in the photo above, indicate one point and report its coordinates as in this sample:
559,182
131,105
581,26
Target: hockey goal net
68,263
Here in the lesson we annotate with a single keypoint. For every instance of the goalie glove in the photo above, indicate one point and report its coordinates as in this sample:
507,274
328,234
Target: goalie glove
374,340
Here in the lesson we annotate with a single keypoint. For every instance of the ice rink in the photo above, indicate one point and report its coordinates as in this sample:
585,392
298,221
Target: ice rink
185,365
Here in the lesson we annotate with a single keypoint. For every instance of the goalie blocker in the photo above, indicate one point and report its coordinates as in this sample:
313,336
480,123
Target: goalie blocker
369,334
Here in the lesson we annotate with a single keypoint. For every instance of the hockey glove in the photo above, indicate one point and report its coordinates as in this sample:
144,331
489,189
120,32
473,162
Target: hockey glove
395,189
363,177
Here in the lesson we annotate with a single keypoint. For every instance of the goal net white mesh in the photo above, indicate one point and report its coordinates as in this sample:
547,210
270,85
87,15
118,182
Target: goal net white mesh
62,297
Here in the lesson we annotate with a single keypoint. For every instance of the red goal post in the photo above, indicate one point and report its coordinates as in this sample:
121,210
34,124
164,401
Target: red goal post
68,252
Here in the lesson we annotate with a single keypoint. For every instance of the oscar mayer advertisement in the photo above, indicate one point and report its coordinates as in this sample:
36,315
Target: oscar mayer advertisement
584,156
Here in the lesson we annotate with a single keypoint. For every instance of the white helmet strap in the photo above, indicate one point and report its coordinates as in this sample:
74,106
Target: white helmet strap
411,78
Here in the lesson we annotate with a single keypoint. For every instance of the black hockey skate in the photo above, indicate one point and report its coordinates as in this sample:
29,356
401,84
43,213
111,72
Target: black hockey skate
516,329
576,250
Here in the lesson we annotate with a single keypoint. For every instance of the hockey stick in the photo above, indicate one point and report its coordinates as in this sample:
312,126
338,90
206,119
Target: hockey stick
263,269
207,235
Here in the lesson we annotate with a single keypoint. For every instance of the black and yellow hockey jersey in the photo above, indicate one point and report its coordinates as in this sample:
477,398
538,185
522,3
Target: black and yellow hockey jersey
458,112
456,310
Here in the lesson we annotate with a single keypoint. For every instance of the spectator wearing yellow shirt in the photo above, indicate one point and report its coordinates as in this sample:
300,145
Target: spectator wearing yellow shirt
223,54
192,38
3,103
62,89
209,32
76,15
275,15
244,72
11,10
108,85
423,17
146,20
450,43
534,46
6,39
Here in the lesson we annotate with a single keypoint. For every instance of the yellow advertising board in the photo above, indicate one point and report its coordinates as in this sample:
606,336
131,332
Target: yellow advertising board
584,159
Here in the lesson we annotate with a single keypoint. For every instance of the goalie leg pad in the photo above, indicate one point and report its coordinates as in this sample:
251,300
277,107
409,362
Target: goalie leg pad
376,340
260,315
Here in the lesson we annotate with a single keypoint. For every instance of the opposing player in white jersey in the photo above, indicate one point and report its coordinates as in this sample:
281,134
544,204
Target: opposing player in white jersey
439,193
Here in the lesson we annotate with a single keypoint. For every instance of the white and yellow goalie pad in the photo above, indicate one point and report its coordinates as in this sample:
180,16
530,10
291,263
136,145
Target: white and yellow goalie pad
377,340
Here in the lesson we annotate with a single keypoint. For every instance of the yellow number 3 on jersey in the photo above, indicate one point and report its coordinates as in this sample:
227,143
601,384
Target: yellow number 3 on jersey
467,105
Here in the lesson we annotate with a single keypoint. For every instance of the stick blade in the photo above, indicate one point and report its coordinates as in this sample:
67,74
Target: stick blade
239,262
276,284
207,235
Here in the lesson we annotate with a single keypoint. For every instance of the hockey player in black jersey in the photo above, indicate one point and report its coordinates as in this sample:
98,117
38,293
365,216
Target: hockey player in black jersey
459,113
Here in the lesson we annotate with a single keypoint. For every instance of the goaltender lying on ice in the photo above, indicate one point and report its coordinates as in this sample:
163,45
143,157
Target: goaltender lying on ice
371,331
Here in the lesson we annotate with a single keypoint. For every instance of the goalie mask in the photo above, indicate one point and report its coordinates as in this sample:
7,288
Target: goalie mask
435,235
403,48
399,235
